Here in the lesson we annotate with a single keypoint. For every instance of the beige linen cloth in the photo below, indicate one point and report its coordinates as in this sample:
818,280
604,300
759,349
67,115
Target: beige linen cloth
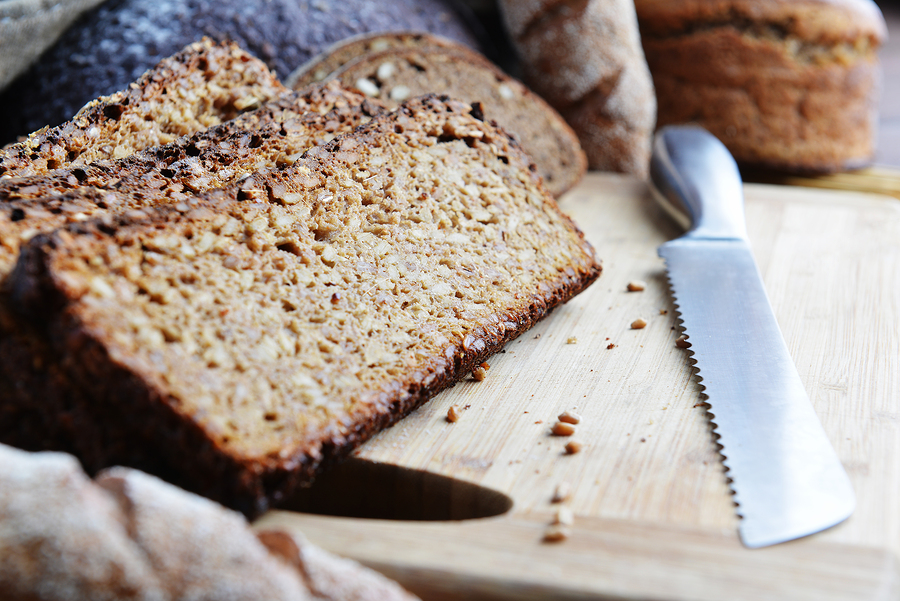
28,27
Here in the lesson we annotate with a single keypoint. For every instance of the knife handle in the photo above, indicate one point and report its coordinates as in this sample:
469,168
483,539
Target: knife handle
696,180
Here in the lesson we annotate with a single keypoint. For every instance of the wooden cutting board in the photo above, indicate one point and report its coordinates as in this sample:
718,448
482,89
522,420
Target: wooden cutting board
653,514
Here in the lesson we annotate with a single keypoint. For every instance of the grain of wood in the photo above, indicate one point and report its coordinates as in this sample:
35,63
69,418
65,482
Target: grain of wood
652,516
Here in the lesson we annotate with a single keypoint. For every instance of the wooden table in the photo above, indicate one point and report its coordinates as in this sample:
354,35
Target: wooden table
653,515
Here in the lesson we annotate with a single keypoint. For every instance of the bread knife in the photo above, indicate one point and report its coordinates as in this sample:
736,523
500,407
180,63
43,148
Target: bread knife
786,477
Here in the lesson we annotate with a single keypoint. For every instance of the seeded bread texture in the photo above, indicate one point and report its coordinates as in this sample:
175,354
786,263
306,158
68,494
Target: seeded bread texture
38,404
339,54
250,336
420,64
201,86
274,134
585,59
787,84
113,44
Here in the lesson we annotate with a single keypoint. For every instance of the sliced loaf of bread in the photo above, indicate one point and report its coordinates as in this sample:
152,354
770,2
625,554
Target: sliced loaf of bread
247,337
201,86
277,133
35,395
414,64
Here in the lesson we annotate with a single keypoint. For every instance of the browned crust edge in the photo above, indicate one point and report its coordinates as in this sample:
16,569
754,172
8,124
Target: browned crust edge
132,414
217,143
109,108
39,407
824,21
769,110
135,424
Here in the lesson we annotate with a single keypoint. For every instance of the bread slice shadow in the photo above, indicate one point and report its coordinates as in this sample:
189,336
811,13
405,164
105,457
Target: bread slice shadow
358,488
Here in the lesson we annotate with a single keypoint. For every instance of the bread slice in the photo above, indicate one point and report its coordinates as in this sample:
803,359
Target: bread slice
276,133
416,64
251,335
35,395
337,55
201,86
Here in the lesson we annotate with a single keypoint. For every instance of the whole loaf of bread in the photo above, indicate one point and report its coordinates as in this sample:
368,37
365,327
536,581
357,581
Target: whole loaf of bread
790,84
286,318
129,536
585,59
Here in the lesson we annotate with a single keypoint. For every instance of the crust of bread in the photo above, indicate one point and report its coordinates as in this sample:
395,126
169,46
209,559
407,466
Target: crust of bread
328,576
788,85
585,59
279,132
818,21
40,408
63,538
140,407
130,536
203,85
198,549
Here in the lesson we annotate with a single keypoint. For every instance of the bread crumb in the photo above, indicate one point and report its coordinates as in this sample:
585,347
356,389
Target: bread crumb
562,493
639,324
453,414
610,346
682,342
562,429
571,340
636,286
564,516
556,533
569,417
479,374
573,446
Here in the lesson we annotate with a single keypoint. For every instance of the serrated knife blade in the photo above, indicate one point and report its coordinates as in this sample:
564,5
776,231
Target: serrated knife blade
786,477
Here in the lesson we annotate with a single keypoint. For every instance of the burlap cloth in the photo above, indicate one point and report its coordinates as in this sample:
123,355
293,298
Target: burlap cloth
29,27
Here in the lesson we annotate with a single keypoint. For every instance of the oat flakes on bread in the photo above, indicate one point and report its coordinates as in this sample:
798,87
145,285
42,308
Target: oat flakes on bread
786,84
128,535
585,59
203,85
40,408
411,64
252,335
